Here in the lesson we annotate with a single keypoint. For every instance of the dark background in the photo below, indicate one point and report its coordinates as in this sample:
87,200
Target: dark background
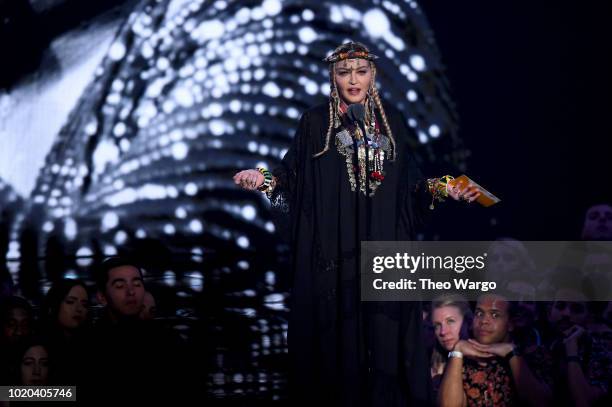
532,85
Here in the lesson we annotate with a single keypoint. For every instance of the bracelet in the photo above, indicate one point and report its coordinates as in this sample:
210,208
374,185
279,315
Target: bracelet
437,189
455,354
268,184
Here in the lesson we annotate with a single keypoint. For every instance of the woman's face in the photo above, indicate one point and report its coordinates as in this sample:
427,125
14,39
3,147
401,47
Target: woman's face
447,322
35,366
73,309
353,78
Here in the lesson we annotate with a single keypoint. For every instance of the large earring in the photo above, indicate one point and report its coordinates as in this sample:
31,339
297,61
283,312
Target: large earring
336,104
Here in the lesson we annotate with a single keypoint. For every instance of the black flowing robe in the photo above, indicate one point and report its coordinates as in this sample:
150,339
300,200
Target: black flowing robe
345,352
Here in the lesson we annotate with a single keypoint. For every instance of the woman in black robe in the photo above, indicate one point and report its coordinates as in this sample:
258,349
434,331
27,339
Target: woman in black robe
343,351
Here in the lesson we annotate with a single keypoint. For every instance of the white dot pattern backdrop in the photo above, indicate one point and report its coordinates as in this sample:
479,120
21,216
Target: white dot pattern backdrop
187,93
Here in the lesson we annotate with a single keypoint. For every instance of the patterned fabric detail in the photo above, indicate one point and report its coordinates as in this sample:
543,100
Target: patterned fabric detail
489,385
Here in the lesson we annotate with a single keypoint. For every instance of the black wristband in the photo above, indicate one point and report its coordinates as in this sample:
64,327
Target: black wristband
511,354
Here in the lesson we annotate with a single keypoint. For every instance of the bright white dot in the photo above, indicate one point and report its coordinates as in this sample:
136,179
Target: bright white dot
270,227
184,97
208,30
196,226
412,76
257,14
215,109
434,130
259,74
252,50
308,15
288,93
259,108
91,128
179,150
118,184
412,96
271,89
168,106
110,220
325,88
412,123
248,212
191,189
119,129
169,229
293,113
48,226
172,192
252,146
124,144
264,149
422,137
243,242
141,234
270,278
180,212
272,7
116,51
235,106
336,15
120,237
307,35
70,229
312,88
417,62
217,127
376,23
289,47
163,64
243,15
110,250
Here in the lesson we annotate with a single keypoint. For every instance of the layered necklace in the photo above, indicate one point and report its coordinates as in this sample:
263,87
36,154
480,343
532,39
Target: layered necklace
369,164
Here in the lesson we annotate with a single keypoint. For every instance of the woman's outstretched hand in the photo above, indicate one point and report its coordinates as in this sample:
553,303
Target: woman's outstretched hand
468,192
249,179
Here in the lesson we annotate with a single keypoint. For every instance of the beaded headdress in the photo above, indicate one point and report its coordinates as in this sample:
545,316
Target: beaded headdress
351,50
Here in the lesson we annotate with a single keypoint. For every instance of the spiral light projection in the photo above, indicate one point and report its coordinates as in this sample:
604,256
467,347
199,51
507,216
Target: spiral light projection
192,91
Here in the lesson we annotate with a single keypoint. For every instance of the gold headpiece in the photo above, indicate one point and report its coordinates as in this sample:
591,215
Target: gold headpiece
350,50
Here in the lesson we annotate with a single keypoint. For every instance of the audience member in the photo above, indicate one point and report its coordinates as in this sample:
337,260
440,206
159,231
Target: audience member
489,370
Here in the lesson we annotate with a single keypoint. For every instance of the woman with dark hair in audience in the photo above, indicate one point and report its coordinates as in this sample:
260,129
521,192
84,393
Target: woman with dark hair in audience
65,311
31,363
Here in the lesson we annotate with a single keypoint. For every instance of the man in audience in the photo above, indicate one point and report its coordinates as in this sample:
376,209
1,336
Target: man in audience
582,353
490,370
598,223
16,321
131,358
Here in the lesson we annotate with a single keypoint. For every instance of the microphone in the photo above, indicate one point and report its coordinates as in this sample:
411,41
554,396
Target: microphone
356,113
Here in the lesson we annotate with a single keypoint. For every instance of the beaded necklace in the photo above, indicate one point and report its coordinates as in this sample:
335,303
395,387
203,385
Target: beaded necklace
348,136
